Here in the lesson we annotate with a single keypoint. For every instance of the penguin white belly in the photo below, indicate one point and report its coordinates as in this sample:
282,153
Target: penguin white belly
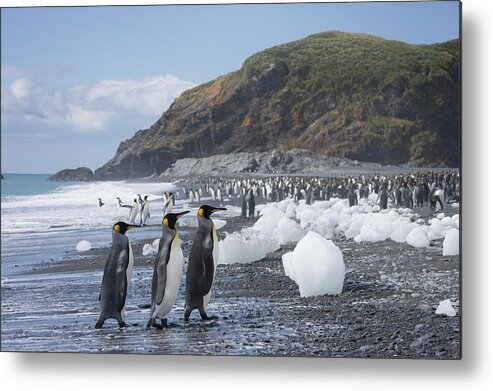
145,212
174,271
129,275
133,213
215,257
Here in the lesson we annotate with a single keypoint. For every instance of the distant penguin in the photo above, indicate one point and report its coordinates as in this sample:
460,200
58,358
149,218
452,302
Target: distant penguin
250,200
244,204
434,197
202,264
141,207
168,269
121,205
383,198
170,203
352,196
134,211
116,277
101,203
145,211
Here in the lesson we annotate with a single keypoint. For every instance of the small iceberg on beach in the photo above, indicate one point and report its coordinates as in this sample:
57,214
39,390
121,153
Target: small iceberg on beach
151,249
451,242
418,238
316,265
83,245
445,308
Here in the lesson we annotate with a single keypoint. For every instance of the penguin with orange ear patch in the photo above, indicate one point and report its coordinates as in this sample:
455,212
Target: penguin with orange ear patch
168,269
116,277
202,264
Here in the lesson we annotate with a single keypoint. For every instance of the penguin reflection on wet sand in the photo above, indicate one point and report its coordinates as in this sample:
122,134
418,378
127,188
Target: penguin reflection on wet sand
116,277
202,264
167,272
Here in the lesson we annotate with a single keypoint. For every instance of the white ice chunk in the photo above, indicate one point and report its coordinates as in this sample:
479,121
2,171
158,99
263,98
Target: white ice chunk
267,223
288,231
440,216
445,308
151,249
316,265
308,216
325,225
418,238
401,230
83,245
248,245
451,242
438,228
377,227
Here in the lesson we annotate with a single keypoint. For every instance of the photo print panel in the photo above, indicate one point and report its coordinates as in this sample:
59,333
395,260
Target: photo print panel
242,179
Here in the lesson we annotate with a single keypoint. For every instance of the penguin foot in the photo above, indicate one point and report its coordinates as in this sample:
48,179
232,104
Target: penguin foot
99,325
205,317
164,323
122,324
153,323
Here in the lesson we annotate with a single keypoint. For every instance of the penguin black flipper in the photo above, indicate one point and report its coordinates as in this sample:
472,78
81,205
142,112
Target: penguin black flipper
208,263
121,281
161,272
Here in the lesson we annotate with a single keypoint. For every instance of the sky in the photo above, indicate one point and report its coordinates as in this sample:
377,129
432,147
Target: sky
76,81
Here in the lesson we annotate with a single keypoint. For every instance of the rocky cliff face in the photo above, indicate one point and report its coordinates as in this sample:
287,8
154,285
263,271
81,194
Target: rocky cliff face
337,94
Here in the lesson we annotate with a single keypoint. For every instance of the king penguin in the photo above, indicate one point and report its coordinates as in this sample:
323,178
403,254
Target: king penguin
202,264
133,211
167,272
145,211
116,277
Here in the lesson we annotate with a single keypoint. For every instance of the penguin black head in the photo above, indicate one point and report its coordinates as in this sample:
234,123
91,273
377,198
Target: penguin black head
171,218
206,211
122,227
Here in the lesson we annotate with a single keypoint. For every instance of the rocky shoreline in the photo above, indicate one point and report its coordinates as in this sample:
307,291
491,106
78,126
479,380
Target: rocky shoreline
386,309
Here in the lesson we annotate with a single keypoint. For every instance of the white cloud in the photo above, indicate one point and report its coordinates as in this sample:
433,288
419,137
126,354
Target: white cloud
89,108
87,120
21,88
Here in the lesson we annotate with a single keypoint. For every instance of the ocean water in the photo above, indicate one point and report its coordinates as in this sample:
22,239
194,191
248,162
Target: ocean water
42,220
28,184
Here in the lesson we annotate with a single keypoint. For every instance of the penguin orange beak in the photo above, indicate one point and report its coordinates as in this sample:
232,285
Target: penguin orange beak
132,226
217,209
182,214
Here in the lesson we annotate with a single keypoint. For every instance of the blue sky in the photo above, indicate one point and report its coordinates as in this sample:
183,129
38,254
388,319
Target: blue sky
77,81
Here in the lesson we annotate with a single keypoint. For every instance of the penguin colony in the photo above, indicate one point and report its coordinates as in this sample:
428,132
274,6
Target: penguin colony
405,190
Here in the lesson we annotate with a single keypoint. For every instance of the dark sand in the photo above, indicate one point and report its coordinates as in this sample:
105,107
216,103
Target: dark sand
386,309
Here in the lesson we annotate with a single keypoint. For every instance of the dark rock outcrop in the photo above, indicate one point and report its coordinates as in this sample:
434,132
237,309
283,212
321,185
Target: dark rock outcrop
81,174
299,161
352,96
